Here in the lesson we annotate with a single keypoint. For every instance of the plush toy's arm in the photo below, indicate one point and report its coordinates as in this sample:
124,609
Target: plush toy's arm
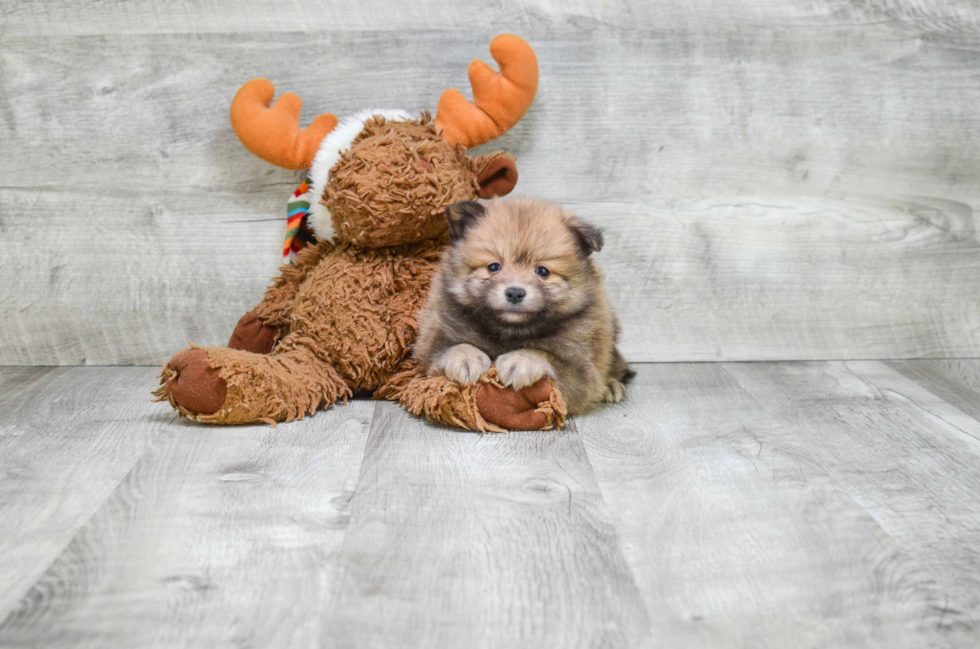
261,328
435,397
277,305
485,406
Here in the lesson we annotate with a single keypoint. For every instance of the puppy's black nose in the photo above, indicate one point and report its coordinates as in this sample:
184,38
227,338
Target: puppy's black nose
515,294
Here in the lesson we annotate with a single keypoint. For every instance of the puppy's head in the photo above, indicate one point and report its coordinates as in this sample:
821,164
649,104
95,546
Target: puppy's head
520,265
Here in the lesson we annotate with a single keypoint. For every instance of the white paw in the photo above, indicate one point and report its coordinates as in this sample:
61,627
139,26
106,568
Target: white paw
615,392
522,368
464,363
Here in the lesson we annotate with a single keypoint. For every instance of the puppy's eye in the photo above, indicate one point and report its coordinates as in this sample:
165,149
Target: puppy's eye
542,271
494,267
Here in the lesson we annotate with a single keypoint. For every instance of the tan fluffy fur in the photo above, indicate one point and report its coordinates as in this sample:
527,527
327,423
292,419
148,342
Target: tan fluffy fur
564,328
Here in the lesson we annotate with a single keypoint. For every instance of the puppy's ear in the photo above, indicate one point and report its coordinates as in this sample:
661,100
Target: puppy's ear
589,237
461,216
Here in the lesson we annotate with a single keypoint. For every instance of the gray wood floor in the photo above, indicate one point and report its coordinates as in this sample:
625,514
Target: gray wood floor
812,504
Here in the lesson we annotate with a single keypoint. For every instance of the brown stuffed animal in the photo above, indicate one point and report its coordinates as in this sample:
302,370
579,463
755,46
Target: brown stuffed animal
342,318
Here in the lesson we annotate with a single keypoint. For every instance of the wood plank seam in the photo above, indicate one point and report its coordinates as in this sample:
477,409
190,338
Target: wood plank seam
22,605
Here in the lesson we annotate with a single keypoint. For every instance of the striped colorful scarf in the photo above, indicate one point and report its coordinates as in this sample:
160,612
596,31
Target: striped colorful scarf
298,231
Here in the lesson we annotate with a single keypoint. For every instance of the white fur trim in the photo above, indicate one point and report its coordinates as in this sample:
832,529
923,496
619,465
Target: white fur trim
337,141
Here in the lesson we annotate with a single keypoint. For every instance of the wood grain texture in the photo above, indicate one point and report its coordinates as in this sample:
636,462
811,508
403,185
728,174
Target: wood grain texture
784,181
462,540
145,16
97,292
67,438
620,115
220,536
956,381
910,460
737,535
764,504
771,279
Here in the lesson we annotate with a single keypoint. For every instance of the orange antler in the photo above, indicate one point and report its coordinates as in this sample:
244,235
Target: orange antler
273,133
500,99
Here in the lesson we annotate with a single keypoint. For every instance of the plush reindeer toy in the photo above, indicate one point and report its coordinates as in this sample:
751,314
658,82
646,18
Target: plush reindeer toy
341,317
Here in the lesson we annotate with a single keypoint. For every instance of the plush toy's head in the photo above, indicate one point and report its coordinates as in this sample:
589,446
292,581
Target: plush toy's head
394,182
380,177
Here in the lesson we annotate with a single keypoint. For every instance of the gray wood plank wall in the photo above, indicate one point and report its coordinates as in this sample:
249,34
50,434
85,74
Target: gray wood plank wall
789,180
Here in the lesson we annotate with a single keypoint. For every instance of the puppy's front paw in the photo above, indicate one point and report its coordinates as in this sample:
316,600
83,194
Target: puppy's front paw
522,368
615,392
464,364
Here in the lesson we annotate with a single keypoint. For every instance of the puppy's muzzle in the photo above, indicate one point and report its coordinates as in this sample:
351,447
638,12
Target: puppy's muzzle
515,294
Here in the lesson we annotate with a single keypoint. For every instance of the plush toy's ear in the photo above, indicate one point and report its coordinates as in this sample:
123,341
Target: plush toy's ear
589,237
461,216
498,175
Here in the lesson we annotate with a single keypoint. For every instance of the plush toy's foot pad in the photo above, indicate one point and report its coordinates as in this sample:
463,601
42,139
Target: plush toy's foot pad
191,385
253,335
537,407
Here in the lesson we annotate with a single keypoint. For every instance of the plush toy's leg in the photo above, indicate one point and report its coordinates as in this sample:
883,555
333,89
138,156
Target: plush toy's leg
217,385
484,406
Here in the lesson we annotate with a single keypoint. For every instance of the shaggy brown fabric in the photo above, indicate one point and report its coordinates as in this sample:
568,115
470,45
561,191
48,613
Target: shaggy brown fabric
265,388
436,398
276,307
253,335
358,308
486,406
394,183
352,323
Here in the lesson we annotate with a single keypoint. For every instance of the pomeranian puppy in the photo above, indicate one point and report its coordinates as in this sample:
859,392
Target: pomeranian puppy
517,286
